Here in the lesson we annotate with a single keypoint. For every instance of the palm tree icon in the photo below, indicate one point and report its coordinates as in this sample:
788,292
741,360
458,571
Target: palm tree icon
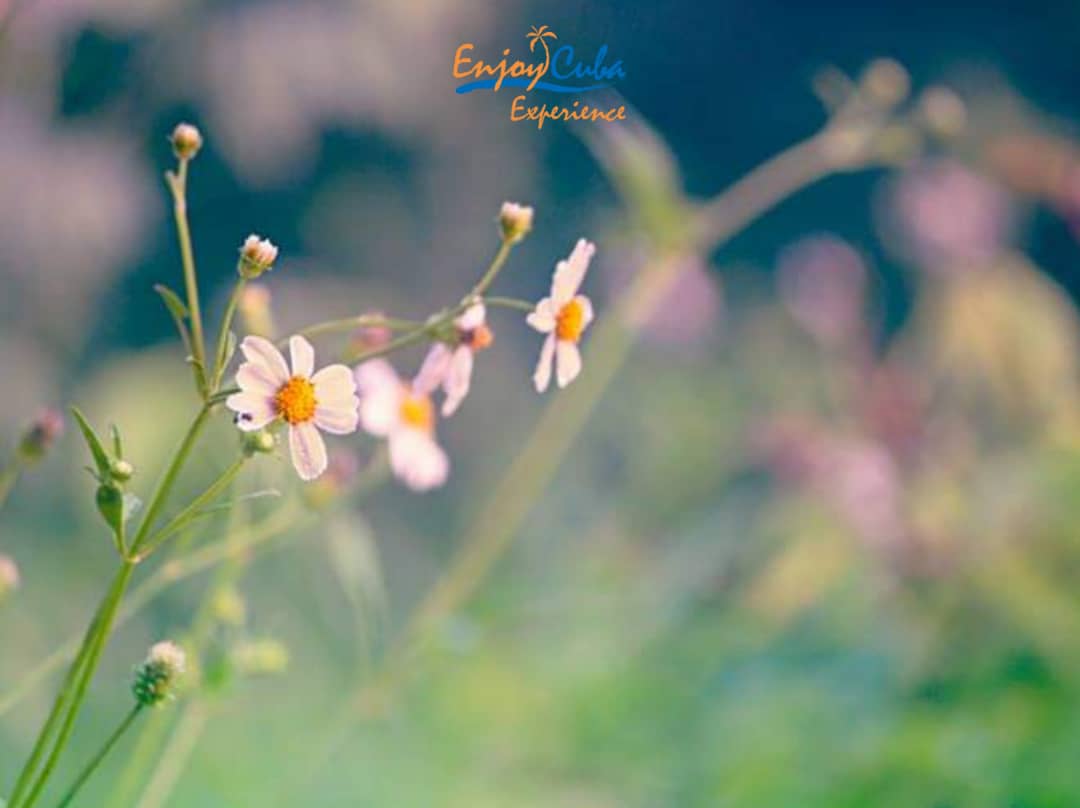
534,36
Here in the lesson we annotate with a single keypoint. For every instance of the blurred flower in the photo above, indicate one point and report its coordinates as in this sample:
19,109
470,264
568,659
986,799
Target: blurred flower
255,312
155,679
451,367
9,576
186,141
46,428
563,316
229,607
861,481
789,446
370,337
515,221
886,82
943,111
256,257
307,401
822,282
391,409
260,657
949,216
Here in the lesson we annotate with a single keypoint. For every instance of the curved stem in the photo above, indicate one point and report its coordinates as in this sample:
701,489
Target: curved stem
505,247
102,753
509,303
178,186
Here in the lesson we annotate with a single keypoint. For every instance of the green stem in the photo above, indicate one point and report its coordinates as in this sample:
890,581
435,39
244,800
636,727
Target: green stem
509,303
505,247
178,187
102,753
223,333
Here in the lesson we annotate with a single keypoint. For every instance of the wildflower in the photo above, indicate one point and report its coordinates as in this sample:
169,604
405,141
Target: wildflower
186,141
563,316
9,576
451,367
46,428
515,221
822,282
395,410
156,678
307,401
257,255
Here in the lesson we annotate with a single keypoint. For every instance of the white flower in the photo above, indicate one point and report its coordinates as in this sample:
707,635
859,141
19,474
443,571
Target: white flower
563,316
305,400
451,367
515,221
257,255
392,409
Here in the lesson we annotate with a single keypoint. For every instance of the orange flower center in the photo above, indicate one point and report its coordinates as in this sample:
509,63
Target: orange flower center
479,338
417,412
570,321
296,400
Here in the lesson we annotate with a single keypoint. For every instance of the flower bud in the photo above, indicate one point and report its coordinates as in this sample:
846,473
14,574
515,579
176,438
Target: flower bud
110,504
370,337
255,312
121,470
943,112
46,428
9,577
256,257
155,679
515,221
186,141
886,82
259,442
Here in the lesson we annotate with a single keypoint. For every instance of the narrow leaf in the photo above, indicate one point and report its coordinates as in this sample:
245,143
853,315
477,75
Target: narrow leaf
118,445
101,459
178,311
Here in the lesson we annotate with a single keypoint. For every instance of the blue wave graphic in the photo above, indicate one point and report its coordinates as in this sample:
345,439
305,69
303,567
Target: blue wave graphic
489,84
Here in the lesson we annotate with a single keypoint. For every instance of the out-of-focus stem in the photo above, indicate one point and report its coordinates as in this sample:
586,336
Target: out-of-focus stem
7,479
95,761
509,303
175,757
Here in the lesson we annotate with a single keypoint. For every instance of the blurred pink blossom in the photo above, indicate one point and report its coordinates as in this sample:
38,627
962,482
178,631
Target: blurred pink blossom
822,282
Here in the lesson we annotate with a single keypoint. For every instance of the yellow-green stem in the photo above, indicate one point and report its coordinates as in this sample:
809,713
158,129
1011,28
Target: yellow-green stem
102,753
178,187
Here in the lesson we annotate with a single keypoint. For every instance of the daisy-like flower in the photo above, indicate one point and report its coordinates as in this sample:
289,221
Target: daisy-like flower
451,367
397,411
563,316
307,401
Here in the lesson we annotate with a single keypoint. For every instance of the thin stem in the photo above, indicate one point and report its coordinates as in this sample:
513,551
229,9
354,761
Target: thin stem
102,753
223,333
505,248
178,187
509,303
176,755
185,516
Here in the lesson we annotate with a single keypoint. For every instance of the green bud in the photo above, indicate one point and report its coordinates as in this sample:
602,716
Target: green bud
155,679
259,442
121,470
110,504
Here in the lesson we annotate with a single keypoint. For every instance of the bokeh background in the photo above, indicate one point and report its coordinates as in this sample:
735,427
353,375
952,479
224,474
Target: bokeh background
816,546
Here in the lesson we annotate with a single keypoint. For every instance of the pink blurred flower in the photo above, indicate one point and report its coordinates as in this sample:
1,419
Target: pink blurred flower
822,282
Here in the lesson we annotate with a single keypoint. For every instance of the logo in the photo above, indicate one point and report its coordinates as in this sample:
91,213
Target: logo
550,68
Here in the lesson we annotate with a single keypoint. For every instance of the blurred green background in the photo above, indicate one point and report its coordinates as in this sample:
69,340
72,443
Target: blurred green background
816,546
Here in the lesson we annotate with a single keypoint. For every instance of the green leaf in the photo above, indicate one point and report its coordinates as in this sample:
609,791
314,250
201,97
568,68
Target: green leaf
118,445
101,458
178,311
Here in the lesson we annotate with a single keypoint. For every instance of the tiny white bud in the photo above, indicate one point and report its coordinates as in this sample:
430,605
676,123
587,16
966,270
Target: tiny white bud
515,221
256,256
186,141
155,678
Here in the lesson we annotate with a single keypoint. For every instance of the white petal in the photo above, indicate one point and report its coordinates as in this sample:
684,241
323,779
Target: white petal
308,450
254,377
433,371
262,352
457,381
375,374
472,317
253,411
337,420
542,318
334,384
303,357
542,376
567,362
586,311
570,273
418,460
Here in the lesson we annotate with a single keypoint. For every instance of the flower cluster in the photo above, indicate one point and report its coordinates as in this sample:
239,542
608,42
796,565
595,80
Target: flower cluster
372,395
156,678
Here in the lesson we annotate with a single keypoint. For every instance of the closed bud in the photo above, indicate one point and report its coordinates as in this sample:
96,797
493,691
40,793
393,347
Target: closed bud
515,221
186,141
943,112
9,577
110,504
256,257
46,428
121,470
156,678
886,82
259,442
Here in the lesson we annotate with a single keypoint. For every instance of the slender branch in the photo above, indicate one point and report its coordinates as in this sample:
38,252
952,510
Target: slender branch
509,303
223,333
505,248
102,753
178,186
